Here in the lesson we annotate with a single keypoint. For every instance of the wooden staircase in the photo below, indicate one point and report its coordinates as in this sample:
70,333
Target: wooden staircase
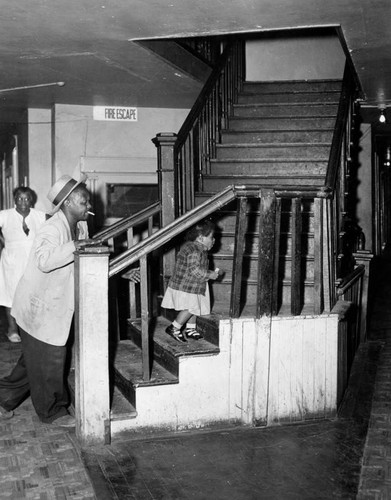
279,136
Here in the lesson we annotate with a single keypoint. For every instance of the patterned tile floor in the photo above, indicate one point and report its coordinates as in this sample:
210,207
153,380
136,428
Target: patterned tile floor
37,461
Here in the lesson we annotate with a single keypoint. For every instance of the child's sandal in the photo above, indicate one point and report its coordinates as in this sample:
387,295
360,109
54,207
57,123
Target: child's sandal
176,333
192,333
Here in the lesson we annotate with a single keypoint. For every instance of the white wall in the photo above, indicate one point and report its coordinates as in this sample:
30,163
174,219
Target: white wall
40,155
67,139
302,58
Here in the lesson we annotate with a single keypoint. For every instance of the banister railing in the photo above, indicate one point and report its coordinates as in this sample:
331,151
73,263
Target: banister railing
337,240
268,251
124,224
345,102
200,132
172,230
351,290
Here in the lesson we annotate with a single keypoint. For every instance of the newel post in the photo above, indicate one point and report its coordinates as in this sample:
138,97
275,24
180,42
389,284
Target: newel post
168,192
92,401
364,257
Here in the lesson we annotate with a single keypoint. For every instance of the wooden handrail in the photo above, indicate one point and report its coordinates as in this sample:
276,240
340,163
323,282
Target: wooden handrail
172,230
122,225
351,280
336,144
193,116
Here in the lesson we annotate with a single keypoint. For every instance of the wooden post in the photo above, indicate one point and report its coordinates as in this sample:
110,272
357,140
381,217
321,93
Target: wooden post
237,266
92,402
266,248
318,256
364,257
296,273
145,318
165,143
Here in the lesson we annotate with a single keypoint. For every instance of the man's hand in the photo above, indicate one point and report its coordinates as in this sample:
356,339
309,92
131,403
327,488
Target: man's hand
132,275
86,243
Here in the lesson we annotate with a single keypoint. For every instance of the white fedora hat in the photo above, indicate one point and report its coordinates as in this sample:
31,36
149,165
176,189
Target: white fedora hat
62,188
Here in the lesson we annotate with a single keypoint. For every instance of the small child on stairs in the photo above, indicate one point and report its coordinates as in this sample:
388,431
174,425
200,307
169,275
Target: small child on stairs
188,290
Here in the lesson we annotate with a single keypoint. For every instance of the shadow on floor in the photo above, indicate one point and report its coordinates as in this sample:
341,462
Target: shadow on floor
315,460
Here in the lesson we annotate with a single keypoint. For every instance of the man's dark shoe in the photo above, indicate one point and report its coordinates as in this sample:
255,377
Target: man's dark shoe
65,421
5,414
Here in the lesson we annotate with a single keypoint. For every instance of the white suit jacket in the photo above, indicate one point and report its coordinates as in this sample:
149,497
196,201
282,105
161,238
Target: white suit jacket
44,299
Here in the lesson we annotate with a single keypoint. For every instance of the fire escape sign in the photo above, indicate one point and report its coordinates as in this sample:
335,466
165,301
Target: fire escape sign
115,113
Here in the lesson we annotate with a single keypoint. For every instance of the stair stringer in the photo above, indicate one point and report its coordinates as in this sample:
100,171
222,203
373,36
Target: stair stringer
268,371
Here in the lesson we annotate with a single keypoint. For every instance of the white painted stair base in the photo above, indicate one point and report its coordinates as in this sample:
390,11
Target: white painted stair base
268,371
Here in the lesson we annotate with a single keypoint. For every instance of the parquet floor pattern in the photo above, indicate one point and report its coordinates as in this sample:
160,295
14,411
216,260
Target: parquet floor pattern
37,461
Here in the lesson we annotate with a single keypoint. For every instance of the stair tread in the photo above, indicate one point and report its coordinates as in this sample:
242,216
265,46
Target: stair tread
120,407
250,92
128,361
268,160
277,130
285,104
273,144
280,117
264,176
177,349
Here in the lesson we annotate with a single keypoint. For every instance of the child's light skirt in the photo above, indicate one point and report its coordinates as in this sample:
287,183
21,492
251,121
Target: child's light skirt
180,301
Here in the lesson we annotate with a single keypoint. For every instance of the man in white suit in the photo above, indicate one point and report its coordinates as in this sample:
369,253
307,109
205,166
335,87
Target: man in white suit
43,307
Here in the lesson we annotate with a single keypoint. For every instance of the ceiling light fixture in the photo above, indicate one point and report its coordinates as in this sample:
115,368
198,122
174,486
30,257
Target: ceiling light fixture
25,87
382,116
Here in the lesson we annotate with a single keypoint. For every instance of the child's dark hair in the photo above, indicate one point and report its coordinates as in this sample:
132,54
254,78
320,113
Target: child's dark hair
203,228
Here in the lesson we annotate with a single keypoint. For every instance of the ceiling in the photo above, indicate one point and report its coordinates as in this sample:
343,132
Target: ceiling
92,46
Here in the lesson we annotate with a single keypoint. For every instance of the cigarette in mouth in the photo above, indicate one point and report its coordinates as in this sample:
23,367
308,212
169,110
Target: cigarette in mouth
91,213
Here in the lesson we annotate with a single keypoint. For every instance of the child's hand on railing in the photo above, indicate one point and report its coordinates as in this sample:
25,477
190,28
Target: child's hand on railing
132,275
215,274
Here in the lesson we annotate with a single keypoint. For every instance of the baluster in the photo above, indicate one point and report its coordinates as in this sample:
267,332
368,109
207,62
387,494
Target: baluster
296,237
237,266
145,317
276,255
266,247
318,256
132,288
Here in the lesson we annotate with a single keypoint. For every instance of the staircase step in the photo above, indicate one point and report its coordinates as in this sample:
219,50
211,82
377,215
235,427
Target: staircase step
239,123
120,407
166,350
251,97
277,136
128,371
295,86
275,151
286,111
267,167
222,296
219,182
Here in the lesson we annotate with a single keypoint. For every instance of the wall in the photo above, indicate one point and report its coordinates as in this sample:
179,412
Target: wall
40,155
268,371
301,58
67,140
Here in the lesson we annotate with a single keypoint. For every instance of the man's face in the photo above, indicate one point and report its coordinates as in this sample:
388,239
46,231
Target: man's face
79,204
